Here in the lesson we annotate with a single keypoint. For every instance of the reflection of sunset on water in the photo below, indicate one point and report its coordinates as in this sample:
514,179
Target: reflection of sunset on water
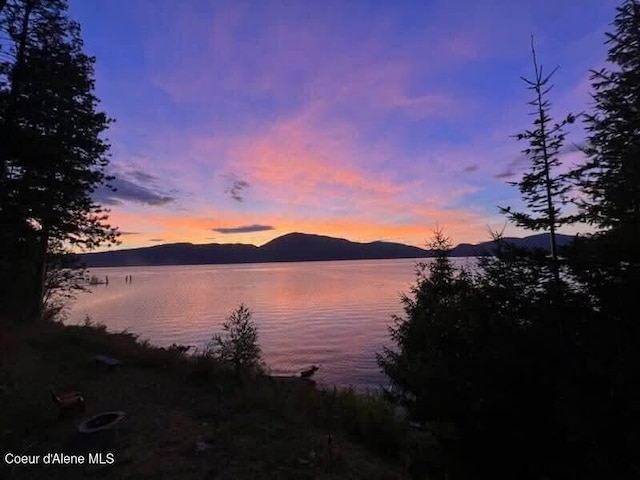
334,314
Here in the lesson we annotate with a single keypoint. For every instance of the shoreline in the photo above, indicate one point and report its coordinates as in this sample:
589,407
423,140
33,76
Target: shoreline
198,398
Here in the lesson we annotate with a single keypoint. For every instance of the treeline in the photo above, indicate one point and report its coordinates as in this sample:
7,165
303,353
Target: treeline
529,367
52,155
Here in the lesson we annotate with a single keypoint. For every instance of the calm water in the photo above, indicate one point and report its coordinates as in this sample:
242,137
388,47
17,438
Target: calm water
334,314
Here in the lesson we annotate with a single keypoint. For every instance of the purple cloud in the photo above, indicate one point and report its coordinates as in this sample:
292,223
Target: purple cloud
244,229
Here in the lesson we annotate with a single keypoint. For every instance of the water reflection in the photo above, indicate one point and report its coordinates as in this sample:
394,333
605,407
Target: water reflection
334,314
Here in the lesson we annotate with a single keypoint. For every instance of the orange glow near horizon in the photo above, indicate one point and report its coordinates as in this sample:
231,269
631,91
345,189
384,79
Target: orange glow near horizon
171,229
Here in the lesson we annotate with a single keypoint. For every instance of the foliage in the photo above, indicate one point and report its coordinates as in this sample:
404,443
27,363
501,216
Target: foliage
429,336
239,345
610,178
53,154
608,262
482,362
542,189
65,276
370,420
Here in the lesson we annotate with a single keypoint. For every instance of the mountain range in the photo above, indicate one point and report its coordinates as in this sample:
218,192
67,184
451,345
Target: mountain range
292,247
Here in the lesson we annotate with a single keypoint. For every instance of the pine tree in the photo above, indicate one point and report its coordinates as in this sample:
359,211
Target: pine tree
611,176
53,153
428,336
542,189
610,260
610,181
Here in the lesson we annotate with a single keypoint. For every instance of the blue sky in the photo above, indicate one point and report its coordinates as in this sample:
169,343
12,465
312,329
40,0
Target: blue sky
241,121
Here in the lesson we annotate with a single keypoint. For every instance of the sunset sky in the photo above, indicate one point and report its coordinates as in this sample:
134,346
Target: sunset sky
368,120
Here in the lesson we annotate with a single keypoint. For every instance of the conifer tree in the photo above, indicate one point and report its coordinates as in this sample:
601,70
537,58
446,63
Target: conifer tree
610,180
611,176
425,337
543,190
52,150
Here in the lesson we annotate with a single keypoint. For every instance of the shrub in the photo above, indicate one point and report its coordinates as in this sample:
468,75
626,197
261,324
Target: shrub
238,346
371,420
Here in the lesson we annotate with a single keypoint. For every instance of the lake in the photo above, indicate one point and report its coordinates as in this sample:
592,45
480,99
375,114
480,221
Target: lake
333,314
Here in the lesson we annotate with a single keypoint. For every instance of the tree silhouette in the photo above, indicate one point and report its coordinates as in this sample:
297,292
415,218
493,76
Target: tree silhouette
543,190
53,153
611,177
610,262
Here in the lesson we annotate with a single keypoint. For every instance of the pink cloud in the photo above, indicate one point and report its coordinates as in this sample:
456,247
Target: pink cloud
313,171
299,169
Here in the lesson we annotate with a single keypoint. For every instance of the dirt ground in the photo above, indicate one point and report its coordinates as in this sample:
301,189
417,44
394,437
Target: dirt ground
184,419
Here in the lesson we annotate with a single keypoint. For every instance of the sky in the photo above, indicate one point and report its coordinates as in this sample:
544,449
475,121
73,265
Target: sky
240,121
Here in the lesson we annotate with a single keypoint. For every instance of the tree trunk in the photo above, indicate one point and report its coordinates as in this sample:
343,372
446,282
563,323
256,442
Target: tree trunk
40,275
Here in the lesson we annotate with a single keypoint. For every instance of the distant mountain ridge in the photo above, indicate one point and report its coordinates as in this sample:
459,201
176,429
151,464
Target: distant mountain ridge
292,247
540,240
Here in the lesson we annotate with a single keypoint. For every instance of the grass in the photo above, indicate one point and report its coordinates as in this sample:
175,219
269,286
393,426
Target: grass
252,426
